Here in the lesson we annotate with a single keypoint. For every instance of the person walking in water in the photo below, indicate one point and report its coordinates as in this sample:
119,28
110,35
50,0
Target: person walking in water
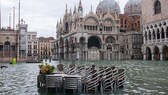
13,60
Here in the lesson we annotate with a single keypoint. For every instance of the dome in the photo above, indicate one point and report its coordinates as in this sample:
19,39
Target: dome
133,7
108,5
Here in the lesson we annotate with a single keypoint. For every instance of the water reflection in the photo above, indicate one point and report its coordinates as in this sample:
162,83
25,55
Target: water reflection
143,77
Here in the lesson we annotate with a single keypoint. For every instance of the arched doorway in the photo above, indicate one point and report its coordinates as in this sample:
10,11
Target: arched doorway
165,53
110,54
94,46
148,54
156,53
7,49
94,41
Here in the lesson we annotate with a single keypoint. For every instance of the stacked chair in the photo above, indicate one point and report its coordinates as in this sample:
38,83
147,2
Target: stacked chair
54,82
92,79
108,79
121,78
72,83
71,70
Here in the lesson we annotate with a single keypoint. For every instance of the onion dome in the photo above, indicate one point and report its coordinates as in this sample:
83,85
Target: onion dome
108,5
133,7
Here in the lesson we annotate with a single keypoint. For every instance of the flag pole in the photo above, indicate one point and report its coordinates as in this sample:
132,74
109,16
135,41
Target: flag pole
18,32
13,18
0,16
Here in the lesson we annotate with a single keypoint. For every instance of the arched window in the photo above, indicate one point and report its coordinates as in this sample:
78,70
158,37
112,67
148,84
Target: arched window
157,7
7,46
66,26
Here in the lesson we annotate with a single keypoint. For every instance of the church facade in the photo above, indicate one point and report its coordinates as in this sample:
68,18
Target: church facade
155,29
104,35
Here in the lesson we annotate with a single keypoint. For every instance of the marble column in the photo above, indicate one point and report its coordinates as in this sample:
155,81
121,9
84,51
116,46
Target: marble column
160,37
153,56
165,36
148,37
161,56
144,56
144,39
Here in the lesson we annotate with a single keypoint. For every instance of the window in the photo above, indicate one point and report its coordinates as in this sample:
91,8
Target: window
157,7
66,26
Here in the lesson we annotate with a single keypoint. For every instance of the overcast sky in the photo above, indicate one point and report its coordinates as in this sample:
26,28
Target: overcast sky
42,15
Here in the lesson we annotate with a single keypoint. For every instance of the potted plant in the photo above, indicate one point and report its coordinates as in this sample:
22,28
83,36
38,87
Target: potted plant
46,68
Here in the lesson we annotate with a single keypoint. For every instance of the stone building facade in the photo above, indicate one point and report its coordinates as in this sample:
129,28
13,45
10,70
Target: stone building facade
101,35
15,43
45,47
155,29
8,44
32,46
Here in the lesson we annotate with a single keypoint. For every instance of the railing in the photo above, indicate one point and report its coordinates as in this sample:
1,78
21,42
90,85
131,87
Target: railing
156,41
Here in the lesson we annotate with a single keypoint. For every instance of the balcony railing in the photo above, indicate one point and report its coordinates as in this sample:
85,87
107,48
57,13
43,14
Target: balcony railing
156,41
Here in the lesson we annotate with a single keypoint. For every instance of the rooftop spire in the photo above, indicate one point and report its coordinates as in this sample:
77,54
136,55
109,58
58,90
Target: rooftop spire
70,13
80,3
91,8
74,12
66,10
80,8
60,21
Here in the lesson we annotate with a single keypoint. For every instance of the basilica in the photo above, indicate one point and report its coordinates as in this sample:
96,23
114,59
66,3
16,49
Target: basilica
105,34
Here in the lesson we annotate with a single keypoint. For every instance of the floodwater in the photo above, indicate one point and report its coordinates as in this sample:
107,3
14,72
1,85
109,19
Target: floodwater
143,78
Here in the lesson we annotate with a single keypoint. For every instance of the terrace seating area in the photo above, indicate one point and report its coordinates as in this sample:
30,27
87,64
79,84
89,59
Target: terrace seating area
84,79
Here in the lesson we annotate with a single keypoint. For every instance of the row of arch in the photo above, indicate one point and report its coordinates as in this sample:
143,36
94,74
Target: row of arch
156,53
154,33
7,49
65,48
92,41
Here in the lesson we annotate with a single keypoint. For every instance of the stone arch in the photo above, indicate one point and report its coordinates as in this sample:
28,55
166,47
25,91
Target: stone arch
156,53
162,33
82,42
146,36
7,46
94,41
110,39
109,21
165,52
158,34
148,53
150,36
154,35
91,20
